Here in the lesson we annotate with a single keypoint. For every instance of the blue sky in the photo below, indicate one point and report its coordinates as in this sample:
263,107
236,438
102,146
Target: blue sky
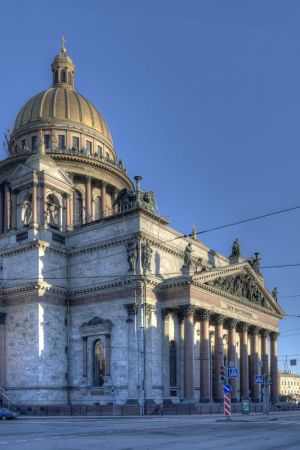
202,99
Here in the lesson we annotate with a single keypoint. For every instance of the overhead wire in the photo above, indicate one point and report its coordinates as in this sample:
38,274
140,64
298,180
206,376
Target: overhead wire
251,219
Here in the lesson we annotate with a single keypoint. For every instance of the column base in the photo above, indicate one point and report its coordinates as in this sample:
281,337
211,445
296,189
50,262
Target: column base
219,400
205,400
188,400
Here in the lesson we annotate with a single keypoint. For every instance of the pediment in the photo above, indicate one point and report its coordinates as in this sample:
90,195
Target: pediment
40,163
240,281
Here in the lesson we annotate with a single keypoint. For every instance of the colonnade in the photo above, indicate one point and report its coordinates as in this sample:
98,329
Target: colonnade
89,197
10,202
251,360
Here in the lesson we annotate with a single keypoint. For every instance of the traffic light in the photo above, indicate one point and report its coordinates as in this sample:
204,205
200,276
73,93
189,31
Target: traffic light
222,374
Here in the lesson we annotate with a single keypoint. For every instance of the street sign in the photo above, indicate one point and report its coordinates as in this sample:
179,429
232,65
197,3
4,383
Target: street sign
227,403
259,379
233,372
227,388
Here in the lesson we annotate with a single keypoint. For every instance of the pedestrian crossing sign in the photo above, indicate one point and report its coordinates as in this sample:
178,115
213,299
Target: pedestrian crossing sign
233,372
259,379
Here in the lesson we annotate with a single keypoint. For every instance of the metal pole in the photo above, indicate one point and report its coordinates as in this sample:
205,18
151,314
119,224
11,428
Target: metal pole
114,400
144,344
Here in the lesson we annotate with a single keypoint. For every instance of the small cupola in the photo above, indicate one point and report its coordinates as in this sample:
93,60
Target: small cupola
63,68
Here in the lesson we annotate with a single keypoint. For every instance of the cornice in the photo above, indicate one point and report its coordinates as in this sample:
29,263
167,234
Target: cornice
21,248
39,286
99,164
239,300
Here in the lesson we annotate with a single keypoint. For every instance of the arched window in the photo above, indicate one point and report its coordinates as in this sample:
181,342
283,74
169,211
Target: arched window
173,364
56,77
78,209
53,211
27,211
98,363
63,76
97,208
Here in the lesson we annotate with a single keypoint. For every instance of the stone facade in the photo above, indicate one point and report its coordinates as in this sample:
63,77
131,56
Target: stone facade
99,293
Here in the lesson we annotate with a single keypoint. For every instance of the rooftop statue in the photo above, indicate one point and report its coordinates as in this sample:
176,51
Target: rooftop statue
275,294
187,256
236,248
128,199
255,263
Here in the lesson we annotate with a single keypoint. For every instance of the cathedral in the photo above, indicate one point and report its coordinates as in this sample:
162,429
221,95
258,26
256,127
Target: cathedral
99,295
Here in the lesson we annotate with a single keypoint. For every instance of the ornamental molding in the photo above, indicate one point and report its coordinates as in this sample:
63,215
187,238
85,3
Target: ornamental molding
109,285
103,165
134,281
40,287
205,281
34,244
96,326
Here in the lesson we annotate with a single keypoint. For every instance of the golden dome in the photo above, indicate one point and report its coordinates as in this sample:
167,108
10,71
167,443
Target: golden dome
61,107
63,104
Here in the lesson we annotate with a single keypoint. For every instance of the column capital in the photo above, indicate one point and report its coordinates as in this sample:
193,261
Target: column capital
264,333
204,314
274,335
149,309
218,319
231,323
131,309
243,326
254,330
188,310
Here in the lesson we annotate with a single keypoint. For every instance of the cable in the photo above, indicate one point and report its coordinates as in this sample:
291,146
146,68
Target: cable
279,266
238,222
120,275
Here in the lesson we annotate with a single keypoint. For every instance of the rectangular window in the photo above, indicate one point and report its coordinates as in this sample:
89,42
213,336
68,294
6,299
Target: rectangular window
100,154
23,144
33,143
107,156
89,147
62,141
47,140
75,143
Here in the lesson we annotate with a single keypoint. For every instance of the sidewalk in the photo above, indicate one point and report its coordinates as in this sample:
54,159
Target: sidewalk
238,417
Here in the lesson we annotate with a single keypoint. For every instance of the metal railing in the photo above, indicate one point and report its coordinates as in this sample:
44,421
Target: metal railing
6,401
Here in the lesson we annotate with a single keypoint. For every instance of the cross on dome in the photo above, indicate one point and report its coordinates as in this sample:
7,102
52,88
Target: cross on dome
63,41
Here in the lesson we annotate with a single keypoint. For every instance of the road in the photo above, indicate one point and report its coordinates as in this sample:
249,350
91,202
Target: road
279,431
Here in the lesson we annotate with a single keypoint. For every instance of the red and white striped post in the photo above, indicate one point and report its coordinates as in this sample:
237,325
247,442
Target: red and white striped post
227,404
